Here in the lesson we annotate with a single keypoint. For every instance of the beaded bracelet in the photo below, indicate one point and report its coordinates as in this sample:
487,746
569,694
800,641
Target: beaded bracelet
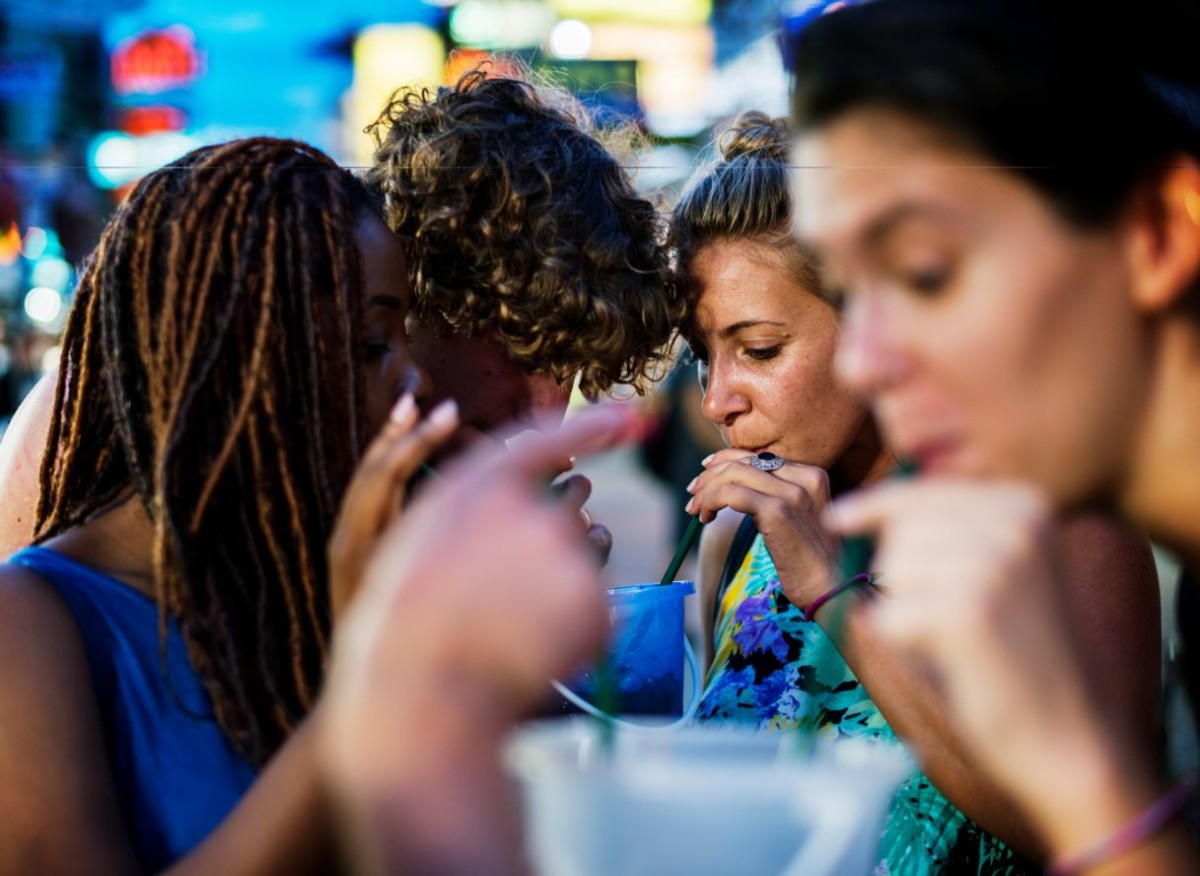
1132,833
862,578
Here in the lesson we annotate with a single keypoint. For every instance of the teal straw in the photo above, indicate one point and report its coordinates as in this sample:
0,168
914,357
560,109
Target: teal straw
608,703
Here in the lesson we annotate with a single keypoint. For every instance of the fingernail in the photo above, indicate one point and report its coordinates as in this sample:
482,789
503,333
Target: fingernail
403,409
444,414
688,506
692,484
707,459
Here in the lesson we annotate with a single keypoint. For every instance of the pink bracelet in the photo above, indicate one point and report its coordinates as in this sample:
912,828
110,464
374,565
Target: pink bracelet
862,578
1132,833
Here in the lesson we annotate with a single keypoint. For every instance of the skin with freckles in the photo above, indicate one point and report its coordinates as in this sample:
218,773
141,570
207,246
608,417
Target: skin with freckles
765,346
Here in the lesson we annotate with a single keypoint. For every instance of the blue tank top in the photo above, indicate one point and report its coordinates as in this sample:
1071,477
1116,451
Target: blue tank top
176,774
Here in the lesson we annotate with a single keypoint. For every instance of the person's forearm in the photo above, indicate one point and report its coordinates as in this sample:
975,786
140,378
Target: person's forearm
438,801
1105,790
283,825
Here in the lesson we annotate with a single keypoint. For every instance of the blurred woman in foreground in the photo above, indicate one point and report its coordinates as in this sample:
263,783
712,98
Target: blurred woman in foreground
1011,203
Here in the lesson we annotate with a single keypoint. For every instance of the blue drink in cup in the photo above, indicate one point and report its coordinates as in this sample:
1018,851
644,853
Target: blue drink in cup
645,651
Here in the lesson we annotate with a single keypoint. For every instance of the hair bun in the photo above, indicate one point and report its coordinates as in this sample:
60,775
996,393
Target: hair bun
754,134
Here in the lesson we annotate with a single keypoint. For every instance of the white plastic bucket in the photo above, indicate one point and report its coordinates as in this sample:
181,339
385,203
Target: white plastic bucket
702,800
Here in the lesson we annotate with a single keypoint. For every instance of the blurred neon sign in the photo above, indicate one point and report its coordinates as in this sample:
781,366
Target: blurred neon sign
155,61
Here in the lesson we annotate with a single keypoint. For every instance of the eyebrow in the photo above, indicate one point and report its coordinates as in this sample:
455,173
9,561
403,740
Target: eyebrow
731,330
887,222
391,302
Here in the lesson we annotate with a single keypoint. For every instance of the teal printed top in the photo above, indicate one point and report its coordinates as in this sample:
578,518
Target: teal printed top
773,670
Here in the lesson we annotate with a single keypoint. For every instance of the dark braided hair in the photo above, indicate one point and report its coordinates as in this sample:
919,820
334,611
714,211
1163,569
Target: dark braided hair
210,368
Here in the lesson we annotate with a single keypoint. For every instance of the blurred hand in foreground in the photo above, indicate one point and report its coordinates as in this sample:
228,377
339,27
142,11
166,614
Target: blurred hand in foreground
483,591
973,589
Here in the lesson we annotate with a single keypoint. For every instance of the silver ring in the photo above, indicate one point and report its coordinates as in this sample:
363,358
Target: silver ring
766,461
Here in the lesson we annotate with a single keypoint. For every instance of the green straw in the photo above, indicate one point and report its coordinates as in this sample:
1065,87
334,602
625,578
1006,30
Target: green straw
685,545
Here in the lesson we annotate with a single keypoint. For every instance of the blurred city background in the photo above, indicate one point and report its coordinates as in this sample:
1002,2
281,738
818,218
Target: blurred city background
95,93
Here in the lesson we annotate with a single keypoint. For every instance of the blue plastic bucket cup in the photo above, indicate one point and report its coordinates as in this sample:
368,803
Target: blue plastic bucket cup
646,650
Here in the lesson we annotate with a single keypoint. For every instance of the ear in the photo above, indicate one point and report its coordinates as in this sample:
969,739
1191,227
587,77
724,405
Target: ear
1165,241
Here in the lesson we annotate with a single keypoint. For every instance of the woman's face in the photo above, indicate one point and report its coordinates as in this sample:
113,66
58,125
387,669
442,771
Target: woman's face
766,346
390,368
994,338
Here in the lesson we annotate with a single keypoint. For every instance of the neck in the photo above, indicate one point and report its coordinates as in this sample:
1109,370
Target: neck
1161,490
117,542
864,462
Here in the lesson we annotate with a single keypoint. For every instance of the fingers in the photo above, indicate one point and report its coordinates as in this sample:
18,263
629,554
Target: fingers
601,541
393,458
401,453
403,417
729,454
565,464
600,428
426,578
866,511
573,491
733,495
376,491
803,489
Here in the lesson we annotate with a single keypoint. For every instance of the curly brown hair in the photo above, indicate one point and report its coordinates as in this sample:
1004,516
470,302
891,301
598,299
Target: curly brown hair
521,223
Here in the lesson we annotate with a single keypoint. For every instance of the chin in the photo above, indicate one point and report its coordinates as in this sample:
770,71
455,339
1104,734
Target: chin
460,442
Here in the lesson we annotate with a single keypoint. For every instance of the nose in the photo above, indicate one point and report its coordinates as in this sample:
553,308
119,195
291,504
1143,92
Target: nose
868,360
724,398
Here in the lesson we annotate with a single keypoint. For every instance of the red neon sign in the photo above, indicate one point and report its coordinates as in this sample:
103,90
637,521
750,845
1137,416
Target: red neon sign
155,61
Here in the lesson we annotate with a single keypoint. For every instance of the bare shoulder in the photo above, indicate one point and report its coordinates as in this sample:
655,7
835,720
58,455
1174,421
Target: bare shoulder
44,675
58,797
32,616
21,453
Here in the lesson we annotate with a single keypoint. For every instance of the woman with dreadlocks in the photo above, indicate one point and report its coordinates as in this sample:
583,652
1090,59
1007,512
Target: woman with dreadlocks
238,334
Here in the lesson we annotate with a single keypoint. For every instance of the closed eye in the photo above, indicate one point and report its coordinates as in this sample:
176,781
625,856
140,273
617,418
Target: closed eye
762,354
377,350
